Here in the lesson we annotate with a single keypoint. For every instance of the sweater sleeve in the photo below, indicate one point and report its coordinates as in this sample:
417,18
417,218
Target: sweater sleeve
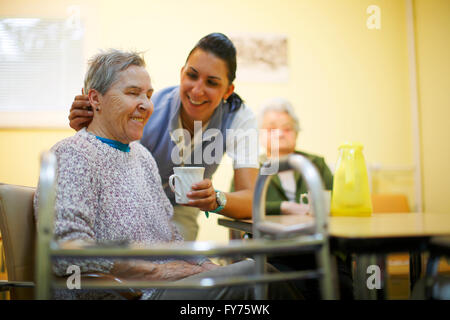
75,209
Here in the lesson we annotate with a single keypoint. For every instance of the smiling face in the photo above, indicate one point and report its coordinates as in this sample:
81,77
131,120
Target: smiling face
204,84
125,108
286,135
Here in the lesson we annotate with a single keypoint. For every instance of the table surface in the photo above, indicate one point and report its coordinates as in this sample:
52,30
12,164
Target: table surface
379,225
379,233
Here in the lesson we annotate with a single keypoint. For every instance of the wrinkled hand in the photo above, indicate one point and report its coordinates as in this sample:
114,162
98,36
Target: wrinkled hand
146,270
290,208
203,196
207,265
80,113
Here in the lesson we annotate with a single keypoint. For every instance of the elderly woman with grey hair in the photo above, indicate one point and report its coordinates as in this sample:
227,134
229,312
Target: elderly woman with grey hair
109,189
280,128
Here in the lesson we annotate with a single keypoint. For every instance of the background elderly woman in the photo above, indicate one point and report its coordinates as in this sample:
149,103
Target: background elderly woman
279,135
109,189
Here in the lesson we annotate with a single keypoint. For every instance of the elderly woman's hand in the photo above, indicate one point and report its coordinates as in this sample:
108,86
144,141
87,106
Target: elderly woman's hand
146,270
203,196
293,208
209,265
80,113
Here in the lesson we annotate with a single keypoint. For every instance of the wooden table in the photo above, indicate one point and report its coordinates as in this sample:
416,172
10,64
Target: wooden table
377,234
391,225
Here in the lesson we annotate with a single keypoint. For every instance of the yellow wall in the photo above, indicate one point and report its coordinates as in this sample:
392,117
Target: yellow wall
21,149
347,82
433,67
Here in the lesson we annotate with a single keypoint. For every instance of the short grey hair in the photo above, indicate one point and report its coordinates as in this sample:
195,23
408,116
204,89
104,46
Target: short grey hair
280,105
104,68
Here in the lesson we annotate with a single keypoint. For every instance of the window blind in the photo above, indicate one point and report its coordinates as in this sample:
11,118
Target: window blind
41,64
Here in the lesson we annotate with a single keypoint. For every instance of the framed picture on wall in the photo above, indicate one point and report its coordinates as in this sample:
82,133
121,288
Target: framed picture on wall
261,57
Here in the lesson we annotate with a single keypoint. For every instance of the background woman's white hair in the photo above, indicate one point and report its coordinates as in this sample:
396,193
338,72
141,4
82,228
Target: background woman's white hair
281,105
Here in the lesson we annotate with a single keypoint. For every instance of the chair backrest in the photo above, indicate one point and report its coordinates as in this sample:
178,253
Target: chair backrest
18,231
390,203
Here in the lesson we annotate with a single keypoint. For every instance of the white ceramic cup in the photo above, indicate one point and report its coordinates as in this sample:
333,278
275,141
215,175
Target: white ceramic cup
326,195
184,177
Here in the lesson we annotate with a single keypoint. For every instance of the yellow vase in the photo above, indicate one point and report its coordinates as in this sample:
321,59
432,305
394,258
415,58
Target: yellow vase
351,194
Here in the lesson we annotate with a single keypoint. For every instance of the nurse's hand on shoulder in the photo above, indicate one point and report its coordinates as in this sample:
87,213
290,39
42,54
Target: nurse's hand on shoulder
203,196
80,113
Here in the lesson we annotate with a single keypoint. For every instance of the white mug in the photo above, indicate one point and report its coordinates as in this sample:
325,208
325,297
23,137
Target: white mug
184,177
327,196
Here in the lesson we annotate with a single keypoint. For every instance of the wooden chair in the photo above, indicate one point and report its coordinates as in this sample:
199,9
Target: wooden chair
17,226
18,233
390,203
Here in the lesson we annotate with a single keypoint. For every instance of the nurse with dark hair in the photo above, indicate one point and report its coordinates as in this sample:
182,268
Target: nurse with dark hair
204,103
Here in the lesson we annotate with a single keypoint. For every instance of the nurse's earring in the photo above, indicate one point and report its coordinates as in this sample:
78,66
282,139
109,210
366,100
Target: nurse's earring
224,101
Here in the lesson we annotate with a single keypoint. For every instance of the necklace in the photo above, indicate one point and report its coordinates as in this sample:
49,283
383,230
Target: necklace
187,125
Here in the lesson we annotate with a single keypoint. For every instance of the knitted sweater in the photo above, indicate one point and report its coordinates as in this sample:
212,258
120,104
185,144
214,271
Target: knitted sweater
105,194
